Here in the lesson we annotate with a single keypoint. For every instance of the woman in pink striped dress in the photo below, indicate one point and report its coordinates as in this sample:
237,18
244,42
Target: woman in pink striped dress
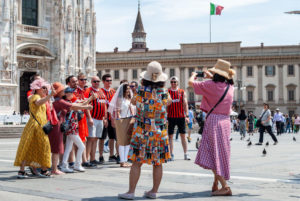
214,150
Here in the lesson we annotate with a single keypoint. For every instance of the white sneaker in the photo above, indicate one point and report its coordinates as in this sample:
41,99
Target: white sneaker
126,196
66,169
186,157
79,168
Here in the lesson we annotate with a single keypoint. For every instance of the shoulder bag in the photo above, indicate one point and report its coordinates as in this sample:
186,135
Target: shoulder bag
65,126
258,122
46,128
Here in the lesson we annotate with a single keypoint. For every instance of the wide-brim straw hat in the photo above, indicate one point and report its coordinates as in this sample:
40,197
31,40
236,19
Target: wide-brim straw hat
222,68
154,73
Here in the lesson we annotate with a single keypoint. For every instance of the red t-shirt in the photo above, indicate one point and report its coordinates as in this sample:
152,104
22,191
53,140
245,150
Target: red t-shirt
175,110
99,105
82,124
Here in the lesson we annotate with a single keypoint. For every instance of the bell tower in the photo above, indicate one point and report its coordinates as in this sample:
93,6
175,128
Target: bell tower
139,35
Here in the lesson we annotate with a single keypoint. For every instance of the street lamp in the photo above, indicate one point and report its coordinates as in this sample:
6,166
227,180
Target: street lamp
240,88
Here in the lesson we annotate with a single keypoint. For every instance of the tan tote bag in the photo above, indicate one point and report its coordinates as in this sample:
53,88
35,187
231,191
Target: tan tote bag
124,129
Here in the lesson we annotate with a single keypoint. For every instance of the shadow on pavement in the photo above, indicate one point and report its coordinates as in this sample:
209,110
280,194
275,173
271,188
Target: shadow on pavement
175,196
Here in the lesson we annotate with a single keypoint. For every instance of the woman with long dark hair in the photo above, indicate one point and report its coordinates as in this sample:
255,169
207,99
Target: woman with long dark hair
242,117
149,143
214,150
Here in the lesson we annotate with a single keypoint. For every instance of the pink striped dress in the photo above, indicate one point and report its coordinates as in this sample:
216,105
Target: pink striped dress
214,150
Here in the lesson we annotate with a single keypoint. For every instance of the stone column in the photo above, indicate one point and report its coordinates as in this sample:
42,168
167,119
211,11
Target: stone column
260,84
280,84
182,77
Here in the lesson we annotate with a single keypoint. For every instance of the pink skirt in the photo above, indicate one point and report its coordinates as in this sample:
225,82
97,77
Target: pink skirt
214,150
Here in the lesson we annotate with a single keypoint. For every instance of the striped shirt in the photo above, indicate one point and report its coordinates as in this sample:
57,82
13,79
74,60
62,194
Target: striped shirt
99,105
109,94
175,110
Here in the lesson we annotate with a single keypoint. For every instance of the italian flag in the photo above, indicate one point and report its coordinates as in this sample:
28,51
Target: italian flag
215,9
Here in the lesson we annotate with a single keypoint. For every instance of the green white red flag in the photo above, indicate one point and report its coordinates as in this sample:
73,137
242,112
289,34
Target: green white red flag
215,9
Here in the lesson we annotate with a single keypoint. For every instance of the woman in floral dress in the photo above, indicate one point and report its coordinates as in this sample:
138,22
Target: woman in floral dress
149,143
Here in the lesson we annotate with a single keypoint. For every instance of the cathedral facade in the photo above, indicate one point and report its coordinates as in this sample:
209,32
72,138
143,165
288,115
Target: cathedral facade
52,38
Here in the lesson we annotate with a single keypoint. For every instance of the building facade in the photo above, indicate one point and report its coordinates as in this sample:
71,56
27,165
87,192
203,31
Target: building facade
54,38
263,74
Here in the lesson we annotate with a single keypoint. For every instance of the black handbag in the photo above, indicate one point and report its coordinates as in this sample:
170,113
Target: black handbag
65,126
46,128
258,122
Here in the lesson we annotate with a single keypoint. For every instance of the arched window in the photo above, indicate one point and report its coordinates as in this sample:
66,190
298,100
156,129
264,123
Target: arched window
30,12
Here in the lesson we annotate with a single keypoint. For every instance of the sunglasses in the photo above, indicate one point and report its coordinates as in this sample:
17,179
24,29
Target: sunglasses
173,82
132,86
96,81
108,80
83,80
44,87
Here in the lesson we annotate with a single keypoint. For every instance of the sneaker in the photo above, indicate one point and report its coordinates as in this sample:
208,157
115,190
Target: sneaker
118,159
186,157
88,165
258,143
101,160
106,149
94,162
71,165
79,168
66,170
172,157
126,196
275,143
150,195
112,159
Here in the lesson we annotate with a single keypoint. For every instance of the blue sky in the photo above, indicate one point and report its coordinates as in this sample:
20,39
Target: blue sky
169,23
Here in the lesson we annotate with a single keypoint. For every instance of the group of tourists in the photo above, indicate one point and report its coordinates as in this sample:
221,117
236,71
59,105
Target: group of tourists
69,122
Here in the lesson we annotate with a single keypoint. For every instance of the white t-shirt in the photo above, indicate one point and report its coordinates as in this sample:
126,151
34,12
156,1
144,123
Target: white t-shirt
125,111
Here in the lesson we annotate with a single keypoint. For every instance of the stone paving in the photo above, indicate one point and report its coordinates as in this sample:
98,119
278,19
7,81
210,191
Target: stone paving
275,176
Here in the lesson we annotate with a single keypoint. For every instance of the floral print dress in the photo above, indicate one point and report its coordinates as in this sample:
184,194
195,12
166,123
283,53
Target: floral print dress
149,143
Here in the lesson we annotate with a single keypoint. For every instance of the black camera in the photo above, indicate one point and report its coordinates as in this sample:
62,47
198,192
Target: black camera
200,74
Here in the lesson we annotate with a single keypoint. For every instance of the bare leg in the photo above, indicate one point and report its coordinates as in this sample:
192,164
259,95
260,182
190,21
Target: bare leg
22,167
84,160
93,150
111,145
101,147
157,175
134,176
54,162
88,148
171,143
183,142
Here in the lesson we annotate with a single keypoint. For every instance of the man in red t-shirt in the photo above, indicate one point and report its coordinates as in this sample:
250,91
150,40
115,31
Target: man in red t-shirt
110,131
79,93
99,118
177,115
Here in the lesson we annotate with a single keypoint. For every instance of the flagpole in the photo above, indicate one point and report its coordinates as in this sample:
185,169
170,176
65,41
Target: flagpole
209,27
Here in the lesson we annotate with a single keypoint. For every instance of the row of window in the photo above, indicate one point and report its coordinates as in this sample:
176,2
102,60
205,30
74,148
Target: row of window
270,95
271,70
